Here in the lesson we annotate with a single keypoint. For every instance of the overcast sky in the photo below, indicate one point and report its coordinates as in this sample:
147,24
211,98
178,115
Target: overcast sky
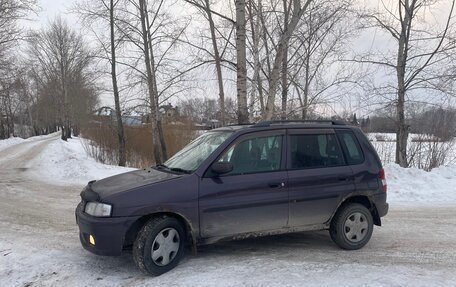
52,8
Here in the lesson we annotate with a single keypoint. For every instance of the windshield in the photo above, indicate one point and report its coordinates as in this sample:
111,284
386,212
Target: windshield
190,157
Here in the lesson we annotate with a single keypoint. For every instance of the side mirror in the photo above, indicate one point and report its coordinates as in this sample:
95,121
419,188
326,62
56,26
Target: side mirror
221,167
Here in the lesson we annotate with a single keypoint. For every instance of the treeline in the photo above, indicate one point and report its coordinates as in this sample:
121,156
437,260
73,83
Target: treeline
48,84
440,122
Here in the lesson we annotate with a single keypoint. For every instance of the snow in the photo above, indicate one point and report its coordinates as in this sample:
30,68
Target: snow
65,163
385,145
412,185
10,142
39,243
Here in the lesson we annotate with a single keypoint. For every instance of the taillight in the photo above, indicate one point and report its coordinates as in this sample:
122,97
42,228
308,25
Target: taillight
381,176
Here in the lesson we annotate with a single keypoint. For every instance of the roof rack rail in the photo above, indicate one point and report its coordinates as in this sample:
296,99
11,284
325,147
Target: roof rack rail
268,123
244,124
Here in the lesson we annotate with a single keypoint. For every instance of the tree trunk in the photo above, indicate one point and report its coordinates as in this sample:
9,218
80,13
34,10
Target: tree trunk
305,108
257,81
285,67
120,127
156,144
65,126
10,116
402,129
158,120
298,11
241,68
218,65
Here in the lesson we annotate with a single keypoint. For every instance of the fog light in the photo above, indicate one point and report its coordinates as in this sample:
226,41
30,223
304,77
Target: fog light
91,240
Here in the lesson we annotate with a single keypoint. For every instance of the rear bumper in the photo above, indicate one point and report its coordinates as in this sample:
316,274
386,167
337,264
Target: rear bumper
381,204
108,232
382,209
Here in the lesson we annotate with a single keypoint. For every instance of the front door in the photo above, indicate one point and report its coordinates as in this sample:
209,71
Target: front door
253,197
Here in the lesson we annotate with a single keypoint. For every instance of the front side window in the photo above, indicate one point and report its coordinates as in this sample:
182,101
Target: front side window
253,155
190,157
315,151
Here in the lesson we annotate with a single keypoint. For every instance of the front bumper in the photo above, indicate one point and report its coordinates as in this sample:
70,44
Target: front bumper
108,232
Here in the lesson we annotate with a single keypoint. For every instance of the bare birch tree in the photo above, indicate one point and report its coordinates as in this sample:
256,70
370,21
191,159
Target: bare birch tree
151,35
62,59
418,64
298,10
241,61
317,71
206,8
157,133
105,11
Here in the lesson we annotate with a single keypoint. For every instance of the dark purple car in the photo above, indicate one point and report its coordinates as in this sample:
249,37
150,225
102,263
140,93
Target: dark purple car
239,181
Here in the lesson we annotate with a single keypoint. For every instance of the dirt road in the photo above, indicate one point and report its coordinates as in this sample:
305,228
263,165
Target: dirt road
39,246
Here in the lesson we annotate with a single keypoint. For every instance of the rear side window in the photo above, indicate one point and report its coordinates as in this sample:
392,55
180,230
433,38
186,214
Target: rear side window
351,147
315,151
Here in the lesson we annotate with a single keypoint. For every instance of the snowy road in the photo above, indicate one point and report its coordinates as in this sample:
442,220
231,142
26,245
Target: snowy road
39,245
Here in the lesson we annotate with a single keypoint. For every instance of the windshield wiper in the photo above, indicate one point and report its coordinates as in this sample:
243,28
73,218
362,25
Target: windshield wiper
161,166
175,169
180,170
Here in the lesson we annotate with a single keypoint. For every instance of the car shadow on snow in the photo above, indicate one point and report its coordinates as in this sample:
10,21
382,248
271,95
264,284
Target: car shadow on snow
293,244
316,241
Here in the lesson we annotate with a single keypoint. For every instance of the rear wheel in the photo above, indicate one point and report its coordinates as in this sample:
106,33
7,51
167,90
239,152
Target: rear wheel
352,226
159,245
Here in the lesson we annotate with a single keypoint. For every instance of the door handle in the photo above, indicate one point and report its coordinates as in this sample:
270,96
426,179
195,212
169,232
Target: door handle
276,184
343,178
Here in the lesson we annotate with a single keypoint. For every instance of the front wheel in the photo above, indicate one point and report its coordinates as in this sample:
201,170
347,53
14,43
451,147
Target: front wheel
352,226
159,245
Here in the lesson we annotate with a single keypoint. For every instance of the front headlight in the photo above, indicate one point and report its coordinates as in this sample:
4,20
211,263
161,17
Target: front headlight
98,209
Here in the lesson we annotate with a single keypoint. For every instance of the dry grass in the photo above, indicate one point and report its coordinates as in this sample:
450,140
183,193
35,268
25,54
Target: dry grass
104,147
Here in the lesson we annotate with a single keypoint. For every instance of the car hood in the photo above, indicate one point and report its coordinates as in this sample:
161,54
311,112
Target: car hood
130,180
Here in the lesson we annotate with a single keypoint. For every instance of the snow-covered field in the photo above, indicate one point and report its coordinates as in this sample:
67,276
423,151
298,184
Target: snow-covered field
40,181
421,149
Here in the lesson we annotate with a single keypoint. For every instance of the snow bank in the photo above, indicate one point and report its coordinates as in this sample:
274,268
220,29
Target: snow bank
412,185
10,142
66,163
17,140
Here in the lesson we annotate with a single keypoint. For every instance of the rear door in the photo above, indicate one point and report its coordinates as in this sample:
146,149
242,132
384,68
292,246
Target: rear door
318,175
251,198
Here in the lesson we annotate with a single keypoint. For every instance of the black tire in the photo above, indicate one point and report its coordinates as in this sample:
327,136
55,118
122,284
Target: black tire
156,229
352,226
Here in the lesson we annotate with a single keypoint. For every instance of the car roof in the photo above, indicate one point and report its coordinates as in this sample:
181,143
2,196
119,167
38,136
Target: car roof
267,125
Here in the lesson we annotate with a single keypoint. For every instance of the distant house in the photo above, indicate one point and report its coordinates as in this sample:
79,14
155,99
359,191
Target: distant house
132,120
169,113
106,116
213,124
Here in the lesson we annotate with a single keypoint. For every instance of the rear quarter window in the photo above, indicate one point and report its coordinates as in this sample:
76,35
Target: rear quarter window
350,146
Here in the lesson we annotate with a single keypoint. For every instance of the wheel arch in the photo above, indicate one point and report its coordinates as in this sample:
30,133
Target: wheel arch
363,200
133,230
